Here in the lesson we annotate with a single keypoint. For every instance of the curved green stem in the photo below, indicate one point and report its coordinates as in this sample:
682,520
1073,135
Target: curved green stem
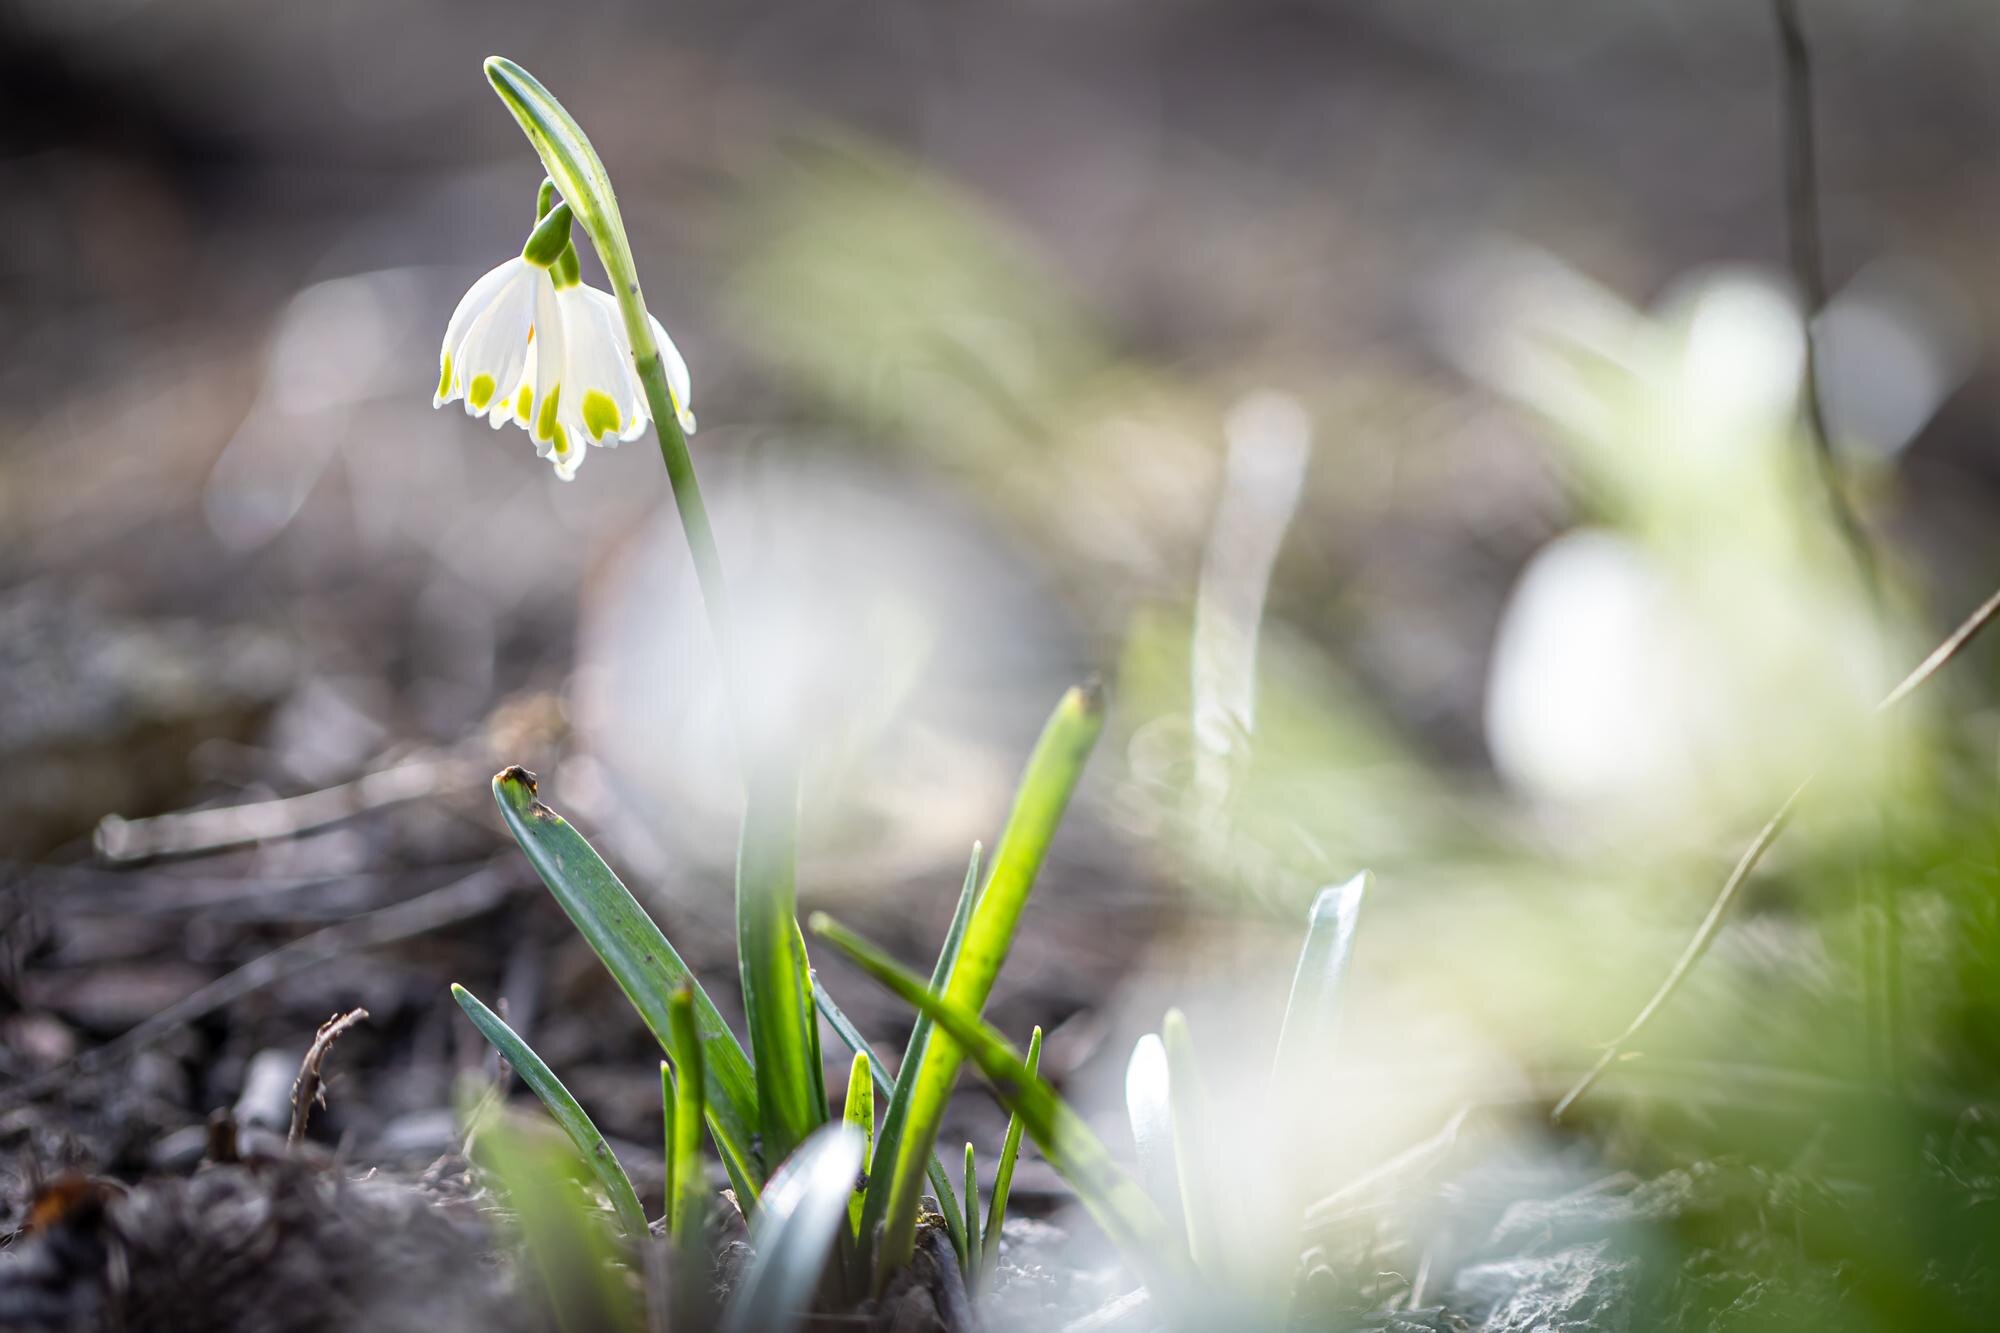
579,174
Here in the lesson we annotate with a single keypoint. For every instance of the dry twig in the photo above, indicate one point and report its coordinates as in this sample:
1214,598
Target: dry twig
1806,253
185,832
309,1088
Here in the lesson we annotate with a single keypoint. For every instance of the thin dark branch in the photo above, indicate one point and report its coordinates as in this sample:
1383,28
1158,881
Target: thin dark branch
1705,933
309,1089
1805,251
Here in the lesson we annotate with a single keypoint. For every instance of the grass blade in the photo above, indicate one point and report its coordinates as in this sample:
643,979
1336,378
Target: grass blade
1312,1012
888,1147
645,966
567,1240
859,1111
1113,1198
687,1196
1003,1175
1150,1111
971,1255
1202,1204
801,1212
844,1028
1046,786
668,1139
590,1144
777,990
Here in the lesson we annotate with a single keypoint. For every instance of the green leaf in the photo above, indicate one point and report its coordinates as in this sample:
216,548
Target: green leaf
1313,1010
668,1138
859,1111
1149,1109
687,1191
645,966
1209,1213
888,1147
1043,795
1113,1198
800,1216
568,1241
844,1028
1003,1175
565,1107
971,1211
777,985
590,1144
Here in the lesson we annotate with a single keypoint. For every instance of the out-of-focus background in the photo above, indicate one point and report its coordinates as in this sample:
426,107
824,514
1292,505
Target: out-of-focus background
1395,401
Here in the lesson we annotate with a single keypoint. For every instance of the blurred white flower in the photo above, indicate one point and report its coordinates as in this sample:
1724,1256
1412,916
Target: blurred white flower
1598,697
504,354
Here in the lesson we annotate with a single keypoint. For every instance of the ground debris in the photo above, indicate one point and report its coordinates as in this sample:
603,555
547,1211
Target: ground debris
278,1246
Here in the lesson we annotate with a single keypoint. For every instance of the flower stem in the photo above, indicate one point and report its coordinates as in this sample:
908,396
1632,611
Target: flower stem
586,187
680,475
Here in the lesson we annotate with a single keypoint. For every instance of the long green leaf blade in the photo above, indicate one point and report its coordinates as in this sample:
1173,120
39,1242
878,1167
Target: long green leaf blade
1149,1109
688,1191
568,1113
668,1139
888,1148
643,963
569,1242
1113,1198
803,1207
844,1028
1202,1203
1313,1009
1046,786
969,1259
858,1110
777,989
1003,1174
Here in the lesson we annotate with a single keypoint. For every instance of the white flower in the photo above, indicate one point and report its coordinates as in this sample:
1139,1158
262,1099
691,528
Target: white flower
532,345
603,401
503,351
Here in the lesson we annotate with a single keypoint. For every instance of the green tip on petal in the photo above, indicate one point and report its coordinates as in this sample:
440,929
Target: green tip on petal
600,415
481,392
545,420
524,403
444,377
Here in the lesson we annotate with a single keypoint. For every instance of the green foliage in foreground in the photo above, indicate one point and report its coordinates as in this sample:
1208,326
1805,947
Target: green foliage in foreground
709,1078
809,1187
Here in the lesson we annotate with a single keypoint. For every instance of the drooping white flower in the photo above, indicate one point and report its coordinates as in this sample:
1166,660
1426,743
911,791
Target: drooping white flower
531,344
603,400
503,350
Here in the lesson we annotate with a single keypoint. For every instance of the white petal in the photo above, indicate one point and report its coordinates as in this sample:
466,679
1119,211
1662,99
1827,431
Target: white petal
670,359
631,395
550,342
677,377
599,369
570,457
476,301
495,346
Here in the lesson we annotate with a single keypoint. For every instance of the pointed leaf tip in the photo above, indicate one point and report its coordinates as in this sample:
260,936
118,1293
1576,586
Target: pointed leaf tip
1338,901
